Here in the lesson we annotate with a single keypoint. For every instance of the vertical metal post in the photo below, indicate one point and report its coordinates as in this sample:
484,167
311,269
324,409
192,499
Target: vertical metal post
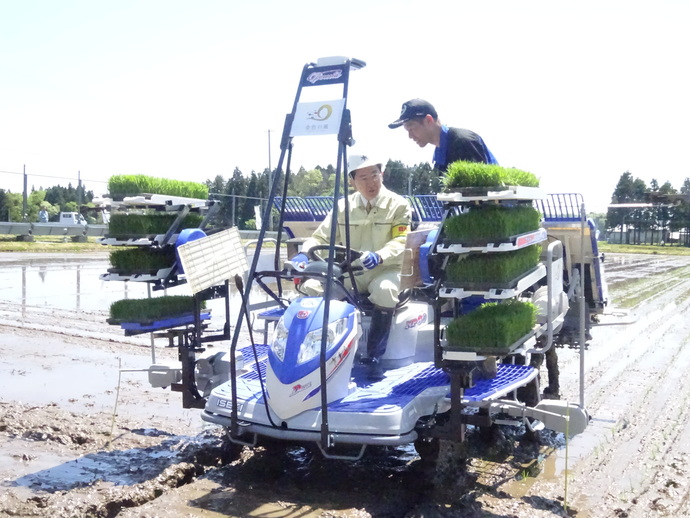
270,180
582,301
233,207
153,343
25,205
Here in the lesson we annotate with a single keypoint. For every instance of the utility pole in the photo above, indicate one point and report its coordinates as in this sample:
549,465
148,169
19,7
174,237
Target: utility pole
233,206
79,191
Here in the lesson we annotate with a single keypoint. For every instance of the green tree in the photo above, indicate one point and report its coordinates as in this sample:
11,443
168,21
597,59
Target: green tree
306,183
216,185
235,190
628,190
397,176
34,201
4,209
14,203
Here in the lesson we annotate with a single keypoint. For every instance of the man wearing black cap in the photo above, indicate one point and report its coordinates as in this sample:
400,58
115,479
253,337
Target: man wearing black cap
423,126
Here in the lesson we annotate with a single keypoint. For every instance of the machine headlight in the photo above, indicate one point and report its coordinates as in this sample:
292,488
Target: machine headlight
311,346
279,340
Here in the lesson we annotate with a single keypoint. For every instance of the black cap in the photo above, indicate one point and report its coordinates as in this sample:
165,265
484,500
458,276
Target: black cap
413,109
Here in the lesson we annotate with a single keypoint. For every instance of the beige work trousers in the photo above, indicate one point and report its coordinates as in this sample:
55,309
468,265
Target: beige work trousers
382,284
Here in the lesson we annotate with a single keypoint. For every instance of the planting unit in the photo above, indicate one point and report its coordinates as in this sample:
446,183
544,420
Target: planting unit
499,298
149,234
144,232
152,231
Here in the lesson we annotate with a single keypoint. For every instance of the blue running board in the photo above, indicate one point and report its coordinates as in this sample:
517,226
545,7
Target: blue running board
399,387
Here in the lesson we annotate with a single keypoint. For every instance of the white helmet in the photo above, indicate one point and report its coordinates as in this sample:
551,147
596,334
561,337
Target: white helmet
355,162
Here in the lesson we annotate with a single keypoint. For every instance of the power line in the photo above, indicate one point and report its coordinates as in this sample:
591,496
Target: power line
56,177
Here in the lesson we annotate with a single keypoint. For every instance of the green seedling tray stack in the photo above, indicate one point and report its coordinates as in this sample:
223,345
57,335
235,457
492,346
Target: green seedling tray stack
149,310
493,328
478,271
150,223
476,178
141,260
483,224
124,185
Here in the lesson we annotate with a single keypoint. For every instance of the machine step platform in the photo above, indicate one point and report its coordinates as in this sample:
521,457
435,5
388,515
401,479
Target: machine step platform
399,386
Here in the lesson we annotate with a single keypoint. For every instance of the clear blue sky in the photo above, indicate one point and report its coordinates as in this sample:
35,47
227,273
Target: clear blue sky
575,92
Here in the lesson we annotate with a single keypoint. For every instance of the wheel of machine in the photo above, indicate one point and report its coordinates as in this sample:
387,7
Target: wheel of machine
230,451
428,448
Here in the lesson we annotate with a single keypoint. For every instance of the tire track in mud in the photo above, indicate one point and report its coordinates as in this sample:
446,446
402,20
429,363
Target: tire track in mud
633,455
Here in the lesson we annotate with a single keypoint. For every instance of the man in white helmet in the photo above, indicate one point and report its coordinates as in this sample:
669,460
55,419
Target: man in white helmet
379,223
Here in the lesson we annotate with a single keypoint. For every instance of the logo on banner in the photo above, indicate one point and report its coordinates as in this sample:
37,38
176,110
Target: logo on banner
323,113
328,75
317,118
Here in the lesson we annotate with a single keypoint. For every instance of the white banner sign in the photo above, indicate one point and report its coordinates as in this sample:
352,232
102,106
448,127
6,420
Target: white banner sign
317,118
257,216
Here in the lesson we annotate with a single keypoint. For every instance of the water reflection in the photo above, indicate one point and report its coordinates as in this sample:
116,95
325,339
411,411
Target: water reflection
71,282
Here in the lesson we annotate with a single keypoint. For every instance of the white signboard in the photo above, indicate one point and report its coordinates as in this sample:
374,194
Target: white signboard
257,216
317,118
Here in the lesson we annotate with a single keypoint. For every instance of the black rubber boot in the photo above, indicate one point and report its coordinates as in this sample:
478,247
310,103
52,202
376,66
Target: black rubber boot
377,341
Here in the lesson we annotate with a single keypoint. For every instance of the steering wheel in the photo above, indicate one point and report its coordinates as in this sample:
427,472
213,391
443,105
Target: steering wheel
348,256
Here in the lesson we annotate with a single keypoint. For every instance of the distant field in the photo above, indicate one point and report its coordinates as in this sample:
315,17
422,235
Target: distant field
57,244
643,249
49,244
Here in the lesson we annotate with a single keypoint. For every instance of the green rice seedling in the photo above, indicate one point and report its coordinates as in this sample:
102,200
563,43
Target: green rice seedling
120,186
150,223
493,326
151,309
495,268
136,260
492,222
474,174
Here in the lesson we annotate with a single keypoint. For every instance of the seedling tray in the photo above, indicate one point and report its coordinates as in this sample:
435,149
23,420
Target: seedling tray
490,285
508,244
494,292
134,240
459,353
137,277
133,328
498,193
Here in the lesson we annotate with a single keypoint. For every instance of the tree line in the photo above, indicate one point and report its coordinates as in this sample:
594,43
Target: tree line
52,199
666,209
653,211
239,194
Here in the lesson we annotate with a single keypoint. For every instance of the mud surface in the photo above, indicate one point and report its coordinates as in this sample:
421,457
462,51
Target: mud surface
83,434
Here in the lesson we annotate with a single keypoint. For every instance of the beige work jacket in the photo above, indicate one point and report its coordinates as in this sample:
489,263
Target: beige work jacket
383,230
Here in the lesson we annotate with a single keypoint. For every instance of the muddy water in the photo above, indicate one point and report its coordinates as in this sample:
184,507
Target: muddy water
623,268
388,484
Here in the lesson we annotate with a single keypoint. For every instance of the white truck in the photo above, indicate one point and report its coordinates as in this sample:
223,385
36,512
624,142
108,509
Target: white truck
71,218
